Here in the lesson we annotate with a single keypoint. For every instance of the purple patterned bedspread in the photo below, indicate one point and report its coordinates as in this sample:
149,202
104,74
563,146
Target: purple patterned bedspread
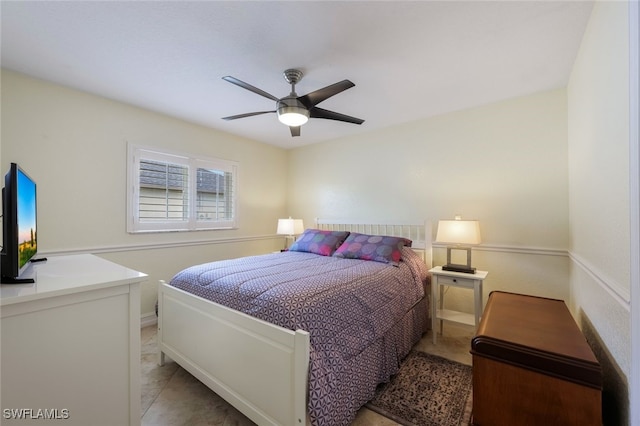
348,306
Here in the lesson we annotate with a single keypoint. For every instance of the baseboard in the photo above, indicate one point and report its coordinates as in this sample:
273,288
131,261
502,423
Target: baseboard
148,319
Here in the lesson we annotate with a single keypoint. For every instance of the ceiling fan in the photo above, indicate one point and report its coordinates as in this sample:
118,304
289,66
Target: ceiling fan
294,110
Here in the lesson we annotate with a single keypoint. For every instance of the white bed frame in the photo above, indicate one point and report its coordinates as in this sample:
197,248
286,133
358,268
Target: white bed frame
258,367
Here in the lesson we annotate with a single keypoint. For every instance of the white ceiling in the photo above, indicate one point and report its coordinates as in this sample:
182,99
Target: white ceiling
409,60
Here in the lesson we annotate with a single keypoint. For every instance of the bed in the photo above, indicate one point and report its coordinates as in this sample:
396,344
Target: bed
276,335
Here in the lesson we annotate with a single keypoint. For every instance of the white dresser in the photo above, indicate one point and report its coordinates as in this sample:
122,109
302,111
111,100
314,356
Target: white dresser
70,344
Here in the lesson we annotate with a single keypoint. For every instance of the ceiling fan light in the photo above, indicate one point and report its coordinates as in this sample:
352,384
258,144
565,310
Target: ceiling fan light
294,119
292,113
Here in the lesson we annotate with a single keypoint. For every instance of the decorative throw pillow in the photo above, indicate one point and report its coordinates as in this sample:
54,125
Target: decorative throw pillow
319,242
378,248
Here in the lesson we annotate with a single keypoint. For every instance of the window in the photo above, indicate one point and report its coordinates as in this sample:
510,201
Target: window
176,192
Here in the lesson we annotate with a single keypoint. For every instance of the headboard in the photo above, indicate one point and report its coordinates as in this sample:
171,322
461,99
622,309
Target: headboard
418,232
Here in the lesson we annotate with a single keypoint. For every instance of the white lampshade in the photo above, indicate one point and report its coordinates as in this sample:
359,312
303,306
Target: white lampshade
465,232
290,226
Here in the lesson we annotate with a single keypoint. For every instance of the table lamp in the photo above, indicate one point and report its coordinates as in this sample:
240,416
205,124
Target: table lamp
289,227
461,234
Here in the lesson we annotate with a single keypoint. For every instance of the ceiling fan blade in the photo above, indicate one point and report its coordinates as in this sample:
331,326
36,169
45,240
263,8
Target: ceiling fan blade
249,87
316,112
295,130
314,98
248,114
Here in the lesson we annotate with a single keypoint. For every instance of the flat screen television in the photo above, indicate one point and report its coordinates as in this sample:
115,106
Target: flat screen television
19,236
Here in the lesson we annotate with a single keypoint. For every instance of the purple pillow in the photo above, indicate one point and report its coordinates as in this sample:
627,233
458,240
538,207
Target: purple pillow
319,242
378,248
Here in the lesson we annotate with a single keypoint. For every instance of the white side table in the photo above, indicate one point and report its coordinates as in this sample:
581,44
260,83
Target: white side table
439,280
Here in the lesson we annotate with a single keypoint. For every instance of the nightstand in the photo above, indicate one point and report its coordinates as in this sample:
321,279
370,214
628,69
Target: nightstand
440,279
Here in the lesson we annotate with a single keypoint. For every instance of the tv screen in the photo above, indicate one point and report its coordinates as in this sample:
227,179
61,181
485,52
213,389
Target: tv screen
27,237
20,237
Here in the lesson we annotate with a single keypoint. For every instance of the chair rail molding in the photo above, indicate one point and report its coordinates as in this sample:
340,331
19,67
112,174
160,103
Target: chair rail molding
615,290
158,245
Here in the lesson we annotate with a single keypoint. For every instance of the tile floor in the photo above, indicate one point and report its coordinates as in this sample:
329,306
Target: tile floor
172,397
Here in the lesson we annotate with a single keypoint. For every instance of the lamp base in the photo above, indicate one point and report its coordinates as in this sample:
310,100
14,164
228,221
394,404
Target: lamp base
455,267
459,268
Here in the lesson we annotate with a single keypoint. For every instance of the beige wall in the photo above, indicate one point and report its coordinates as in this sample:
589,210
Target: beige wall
504,164
74,145
598,101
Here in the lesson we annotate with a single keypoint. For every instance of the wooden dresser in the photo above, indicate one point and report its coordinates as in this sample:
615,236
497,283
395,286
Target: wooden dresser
533,366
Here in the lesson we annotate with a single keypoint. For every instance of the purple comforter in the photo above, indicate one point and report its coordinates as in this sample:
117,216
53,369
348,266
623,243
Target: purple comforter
349,307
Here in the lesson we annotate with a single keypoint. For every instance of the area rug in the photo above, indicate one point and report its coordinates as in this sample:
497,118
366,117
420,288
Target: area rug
427,391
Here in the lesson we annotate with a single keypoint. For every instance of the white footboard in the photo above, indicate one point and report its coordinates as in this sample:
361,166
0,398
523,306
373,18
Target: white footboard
259,368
